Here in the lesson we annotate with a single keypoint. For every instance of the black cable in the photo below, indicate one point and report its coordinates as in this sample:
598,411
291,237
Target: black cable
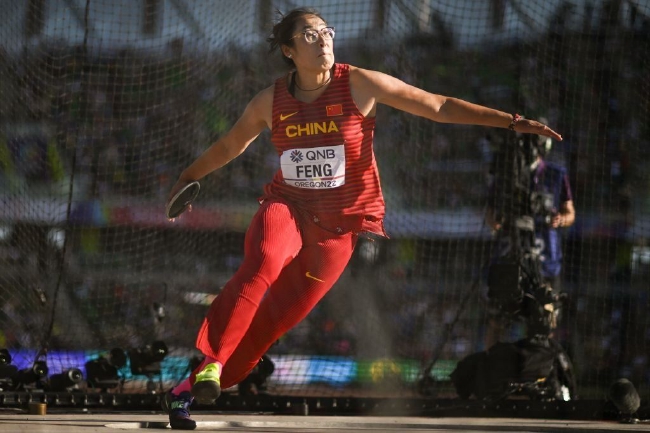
450,326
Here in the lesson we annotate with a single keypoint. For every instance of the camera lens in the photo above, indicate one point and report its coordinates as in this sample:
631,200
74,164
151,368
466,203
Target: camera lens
5,357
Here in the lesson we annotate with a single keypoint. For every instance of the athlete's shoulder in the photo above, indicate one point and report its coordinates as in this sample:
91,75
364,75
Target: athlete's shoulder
264,97
361,73
260,107
378,82
368,79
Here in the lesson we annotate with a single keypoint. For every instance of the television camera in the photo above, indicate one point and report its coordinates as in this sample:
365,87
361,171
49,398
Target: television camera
516,288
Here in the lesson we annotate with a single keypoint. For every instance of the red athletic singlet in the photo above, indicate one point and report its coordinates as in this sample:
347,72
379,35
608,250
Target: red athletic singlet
328,166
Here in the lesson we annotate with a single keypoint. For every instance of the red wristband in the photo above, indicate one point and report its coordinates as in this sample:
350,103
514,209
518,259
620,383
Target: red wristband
515,118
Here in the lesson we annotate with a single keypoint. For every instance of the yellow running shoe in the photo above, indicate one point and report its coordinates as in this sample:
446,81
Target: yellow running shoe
207,387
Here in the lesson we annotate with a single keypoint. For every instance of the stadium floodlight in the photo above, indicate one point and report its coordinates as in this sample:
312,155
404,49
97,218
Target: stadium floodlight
65,381
146,361
103,372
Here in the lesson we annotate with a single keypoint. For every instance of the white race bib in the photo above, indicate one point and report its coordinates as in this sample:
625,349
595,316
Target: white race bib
315,167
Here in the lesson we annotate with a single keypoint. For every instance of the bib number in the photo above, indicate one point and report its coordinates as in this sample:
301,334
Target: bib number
315,167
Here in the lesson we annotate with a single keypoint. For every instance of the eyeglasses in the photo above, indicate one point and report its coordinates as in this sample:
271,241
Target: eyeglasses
311,35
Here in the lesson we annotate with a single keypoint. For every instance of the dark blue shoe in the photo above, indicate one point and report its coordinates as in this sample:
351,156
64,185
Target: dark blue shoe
178,408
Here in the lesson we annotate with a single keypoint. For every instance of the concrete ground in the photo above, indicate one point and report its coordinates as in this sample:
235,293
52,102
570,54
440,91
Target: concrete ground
85,421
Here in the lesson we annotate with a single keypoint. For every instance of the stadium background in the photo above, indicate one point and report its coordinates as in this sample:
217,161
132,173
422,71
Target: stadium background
104,102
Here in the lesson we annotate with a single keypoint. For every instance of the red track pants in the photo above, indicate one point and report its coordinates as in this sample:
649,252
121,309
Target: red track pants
290,260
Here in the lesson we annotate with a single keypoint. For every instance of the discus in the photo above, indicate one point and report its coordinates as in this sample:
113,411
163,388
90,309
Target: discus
182,200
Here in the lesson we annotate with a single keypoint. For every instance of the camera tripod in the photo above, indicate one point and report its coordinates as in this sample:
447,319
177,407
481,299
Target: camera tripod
518,291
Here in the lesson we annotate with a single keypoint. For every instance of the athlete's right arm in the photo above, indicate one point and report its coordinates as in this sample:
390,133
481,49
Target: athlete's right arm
256,117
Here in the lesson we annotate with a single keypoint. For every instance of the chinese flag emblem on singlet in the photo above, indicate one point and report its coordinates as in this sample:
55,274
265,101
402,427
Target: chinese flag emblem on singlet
334,110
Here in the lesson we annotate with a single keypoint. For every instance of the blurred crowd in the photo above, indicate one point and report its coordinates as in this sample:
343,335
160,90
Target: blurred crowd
123,123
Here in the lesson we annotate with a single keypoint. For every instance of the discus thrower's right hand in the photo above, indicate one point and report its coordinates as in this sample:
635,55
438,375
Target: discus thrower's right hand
529,126
180,183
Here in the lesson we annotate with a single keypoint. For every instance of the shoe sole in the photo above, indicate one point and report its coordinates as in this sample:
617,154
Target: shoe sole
206,392
182,424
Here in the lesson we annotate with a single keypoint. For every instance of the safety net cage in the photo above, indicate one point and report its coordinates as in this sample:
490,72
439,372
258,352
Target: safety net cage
104,102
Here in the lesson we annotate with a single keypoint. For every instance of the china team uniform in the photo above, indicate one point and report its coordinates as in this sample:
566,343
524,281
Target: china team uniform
325,193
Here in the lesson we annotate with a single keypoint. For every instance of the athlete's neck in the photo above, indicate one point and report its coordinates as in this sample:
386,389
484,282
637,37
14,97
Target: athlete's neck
303,92
319,84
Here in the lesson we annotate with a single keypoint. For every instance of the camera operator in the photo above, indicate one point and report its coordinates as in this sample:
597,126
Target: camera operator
551,207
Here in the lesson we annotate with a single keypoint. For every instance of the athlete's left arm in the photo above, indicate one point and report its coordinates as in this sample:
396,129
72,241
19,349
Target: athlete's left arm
380,88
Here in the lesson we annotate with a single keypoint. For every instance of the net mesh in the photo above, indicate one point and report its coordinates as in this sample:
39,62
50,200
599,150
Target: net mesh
105,102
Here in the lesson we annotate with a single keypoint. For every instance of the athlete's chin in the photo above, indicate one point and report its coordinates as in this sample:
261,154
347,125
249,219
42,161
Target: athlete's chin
327,62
